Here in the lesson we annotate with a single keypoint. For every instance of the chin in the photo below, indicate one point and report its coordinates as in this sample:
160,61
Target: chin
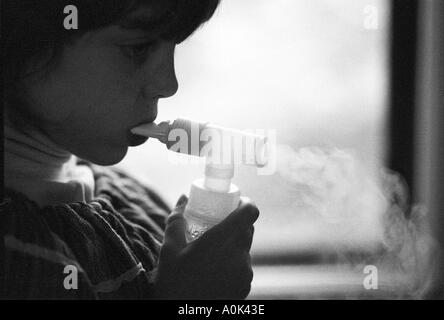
107,157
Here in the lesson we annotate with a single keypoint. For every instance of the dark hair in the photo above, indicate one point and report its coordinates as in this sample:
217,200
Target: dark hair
33,27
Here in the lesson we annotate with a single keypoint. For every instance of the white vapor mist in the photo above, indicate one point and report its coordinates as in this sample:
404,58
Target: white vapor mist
334,185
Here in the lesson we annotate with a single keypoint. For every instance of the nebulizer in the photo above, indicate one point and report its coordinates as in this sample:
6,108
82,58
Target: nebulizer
213,197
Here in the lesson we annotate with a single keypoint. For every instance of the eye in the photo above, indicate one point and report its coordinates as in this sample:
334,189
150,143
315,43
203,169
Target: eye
137,51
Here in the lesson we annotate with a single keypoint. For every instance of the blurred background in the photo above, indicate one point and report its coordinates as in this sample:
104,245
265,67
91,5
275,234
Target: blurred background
317,72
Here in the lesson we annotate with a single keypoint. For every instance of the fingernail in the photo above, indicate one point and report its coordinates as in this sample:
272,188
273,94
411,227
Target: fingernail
182,201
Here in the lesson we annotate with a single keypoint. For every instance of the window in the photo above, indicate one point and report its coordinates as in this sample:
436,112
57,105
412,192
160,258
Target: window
316,72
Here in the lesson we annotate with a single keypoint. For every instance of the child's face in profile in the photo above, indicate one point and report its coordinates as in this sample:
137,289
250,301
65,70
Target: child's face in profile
106,83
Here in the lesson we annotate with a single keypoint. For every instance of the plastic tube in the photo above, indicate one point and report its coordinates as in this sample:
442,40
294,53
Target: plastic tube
219,144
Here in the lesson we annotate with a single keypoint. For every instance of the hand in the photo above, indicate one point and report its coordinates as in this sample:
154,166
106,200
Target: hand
215,266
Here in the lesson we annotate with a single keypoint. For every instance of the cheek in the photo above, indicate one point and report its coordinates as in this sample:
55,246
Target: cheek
73,97
89,102
49,101
106,93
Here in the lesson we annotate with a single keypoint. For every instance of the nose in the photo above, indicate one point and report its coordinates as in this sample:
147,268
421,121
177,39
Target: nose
169,83
161,81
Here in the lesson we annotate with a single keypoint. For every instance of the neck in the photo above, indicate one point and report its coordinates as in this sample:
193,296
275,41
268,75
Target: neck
31,154
37,167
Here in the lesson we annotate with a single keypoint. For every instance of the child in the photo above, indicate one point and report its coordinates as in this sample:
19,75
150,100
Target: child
73,227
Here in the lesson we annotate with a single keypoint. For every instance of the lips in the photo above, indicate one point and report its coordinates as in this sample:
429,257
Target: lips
150,116
143,122
136,140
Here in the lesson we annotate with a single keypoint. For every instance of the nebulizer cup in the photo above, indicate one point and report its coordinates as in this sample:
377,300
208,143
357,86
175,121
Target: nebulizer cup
213,197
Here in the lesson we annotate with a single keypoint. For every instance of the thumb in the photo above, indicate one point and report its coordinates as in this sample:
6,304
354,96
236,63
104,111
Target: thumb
175,227
239,220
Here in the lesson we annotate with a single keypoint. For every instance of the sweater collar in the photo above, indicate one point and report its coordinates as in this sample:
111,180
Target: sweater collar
36,166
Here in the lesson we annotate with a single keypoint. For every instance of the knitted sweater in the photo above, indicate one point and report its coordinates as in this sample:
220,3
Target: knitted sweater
107,248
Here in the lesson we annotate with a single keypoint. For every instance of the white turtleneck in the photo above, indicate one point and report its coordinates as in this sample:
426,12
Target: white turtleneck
37,167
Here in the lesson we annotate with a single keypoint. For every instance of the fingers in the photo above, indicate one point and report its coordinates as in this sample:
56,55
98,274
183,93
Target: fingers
238,221
239,279
245,289
245,215
245,239
174,239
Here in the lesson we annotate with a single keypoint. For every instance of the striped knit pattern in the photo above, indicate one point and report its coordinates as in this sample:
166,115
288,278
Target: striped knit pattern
113,241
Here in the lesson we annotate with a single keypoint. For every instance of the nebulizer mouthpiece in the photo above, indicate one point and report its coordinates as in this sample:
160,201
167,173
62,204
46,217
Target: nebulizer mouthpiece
203,139
214,197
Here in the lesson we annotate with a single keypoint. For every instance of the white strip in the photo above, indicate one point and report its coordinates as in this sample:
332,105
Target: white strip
114,284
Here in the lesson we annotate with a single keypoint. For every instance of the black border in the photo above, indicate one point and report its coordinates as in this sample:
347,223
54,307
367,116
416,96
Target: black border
402,88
